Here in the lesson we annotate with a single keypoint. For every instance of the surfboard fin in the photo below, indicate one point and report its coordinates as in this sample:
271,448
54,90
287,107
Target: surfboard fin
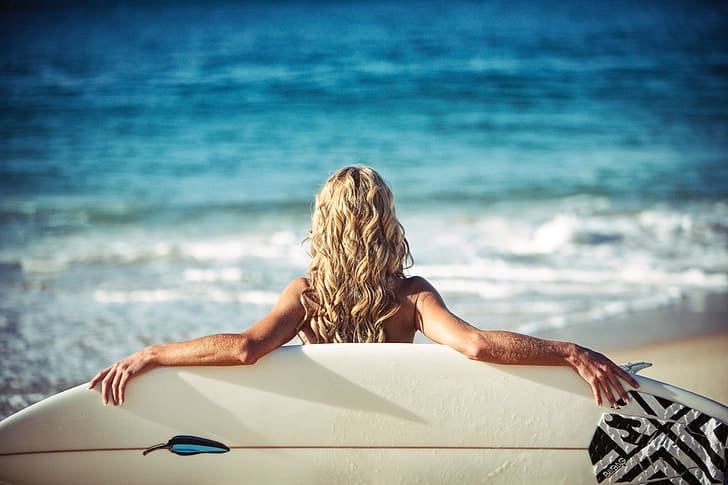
189,445
635,367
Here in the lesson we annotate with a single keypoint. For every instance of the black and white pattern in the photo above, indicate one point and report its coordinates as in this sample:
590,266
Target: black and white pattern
675,445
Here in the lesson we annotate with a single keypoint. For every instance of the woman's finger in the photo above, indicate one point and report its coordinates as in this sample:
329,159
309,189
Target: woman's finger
105,383
617,385
115,386
596,392
97,378
629,378
122,387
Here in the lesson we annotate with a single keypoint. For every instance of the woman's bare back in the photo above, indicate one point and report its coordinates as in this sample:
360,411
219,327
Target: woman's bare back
400,327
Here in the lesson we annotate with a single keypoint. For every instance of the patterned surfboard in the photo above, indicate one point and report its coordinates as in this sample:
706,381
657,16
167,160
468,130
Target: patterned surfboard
653,440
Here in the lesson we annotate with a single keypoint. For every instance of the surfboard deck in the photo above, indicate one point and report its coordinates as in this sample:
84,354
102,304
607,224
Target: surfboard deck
368,413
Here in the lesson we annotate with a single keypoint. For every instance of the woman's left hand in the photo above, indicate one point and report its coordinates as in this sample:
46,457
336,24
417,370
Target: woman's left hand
603,375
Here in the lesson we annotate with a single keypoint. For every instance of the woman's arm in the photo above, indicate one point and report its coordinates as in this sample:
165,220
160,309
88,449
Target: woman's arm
275,329
502,347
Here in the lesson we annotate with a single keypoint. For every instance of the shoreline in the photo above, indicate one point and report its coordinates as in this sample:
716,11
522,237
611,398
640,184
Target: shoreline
698,364
695,314
687,342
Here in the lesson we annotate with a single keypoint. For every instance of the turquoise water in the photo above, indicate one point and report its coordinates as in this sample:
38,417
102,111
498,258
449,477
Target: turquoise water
554,164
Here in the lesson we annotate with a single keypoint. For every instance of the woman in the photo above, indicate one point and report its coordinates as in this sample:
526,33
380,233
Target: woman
356,291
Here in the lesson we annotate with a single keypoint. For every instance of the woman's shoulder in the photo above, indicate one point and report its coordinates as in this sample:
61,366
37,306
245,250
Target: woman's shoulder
297,287
300,282
413,286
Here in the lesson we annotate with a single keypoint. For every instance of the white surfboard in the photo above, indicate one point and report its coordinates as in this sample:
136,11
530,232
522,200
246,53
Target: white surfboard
366,413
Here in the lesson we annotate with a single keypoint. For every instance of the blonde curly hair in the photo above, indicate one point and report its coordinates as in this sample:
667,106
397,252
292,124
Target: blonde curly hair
358,251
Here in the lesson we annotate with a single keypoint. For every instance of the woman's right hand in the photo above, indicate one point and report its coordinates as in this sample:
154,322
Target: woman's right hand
115,377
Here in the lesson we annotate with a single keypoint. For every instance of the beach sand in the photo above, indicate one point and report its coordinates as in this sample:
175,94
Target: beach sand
699,364
687,342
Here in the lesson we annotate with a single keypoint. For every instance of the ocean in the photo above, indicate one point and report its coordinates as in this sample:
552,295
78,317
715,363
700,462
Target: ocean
555,164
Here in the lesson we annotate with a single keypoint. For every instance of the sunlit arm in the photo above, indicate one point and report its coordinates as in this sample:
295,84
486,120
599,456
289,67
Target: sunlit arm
272,331
503,347
220,349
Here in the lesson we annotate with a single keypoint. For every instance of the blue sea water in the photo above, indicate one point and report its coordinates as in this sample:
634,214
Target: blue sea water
555,163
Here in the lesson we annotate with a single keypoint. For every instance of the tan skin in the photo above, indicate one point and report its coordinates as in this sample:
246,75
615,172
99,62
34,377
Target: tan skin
421,308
